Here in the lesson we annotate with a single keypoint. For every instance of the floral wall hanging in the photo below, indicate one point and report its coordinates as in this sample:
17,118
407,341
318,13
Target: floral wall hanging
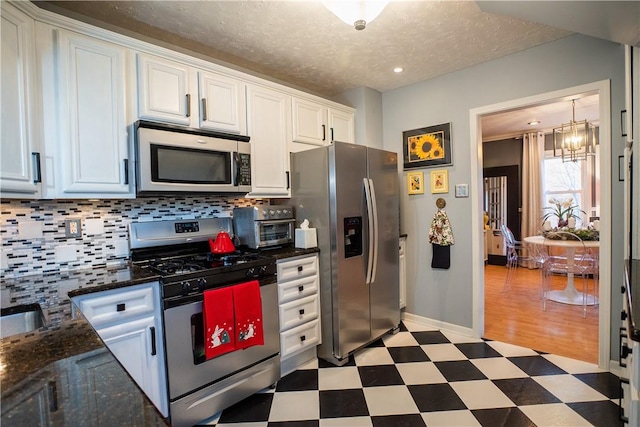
427,146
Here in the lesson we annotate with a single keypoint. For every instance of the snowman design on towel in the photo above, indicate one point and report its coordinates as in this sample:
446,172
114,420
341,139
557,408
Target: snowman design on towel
220,336
247,331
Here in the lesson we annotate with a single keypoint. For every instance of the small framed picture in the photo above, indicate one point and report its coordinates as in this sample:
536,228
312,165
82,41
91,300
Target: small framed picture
415,183
439,181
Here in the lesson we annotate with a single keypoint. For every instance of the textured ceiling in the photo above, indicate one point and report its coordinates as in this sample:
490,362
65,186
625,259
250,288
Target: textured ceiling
303,44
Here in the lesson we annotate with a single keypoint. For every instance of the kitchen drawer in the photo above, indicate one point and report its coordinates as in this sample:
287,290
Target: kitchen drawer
298,311
299,338
297,267
116,305
298,288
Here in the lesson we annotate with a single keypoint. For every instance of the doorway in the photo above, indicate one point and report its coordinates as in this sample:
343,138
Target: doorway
604,169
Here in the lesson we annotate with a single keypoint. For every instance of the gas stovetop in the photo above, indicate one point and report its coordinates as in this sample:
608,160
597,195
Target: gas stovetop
206,262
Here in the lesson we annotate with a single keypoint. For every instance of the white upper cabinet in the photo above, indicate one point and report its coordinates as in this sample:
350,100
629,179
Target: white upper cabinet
164,90
172,92
341,125
268,115
318,124
222,103
19,156
91,156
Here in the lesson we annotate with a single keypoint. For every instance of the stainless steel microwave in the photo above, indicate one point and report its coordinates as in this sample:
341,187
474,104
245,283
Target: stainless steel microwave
172,159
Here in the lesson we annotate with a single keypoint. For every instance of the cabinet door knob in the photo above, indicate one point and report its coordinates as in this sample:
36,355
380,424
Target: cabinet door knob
300,268
300,288
301,311
120,307
303,338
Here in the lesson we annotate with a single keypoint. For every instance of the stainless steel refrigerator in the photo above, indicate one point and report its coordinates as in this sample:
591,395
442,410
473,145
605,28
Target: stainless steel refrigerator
349,193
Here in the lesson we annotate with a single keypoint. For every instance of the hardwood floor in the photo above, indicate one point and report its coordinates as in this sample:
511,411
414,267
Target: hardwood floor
516,316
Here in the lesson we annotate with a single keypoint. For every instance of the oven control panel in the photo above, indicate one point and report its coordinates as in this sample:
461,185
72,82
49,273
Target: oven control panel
187,227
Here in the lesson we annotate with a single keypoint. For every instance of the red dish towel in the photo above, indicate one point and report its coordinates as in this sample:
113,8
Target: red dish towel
248,311
217,312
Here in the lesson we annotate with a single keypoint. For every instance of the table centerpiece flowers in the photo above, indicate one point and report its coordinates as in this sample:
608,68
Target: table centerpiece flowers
566,213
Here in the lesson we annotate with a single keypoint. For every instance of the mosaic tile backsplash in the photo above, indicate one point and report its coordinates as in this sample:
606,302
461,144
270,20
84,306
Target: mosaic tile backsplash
34,241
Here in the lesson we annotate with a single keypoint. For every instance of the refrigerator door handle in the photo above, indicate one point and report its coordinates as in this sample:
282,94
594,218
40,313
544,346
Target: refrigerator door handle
374,208
367,193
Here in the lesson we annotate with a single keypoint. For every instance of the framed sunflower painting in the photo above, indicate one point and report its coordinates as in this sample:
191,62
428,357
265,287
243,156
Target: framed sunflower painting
428,146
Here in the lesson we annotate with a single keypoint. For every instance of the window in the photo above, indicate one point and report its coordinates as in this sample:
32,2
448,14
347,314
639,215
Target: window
576,180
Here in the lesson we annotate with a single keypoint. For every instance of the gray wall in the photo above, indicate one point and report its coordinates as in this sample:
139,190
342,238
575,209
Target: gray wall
368,103
446,295
505,152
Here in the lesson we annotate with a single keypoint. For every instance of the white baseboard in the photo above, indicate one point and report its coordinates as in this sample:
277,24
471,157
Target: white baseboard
437,324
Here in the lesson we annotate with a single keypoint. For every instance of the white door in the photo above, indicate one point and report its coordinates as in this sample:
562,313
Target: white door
267,123
309,122
222,103
93,146
164,91
19,168
341,126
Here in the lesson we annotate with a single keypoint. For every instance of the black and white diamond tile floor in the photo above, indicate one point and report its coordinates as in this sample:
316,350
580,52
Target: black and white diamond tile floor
421,377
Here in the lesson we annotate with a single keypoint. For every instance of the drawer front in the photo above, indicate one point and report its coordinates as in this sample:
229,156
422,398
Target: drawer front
298,311
116,305
299,288
299,338
297,268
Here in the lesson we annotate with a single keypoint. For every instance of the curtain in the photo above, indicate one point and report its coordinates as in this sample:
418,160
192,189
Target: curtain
532,158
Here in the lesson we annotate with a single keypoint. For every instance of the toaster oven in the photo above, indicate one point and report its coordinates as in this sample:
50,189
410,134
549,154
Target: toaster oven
264,226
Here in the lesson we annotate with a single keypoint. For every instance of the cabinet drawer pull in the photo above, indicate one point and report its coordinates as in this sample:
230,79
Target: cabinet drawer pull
37,170
204,109
301,311
52,389
300,268
303,338
324,132
120,307
152,331
126,171
300,288
188,113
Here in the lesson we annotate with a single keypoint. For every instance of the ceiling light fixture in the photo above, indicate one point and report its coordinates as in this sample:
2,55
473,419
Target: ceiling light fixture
574,141
533,122
358,13
398,70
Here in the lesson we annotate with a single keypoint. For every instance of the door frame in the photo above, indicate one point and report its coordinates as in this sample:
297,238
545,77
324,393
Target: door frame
475,115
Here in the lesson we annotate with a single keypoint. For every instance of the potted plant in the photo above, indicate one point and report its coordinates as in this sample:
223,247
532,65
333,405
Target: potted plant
562,210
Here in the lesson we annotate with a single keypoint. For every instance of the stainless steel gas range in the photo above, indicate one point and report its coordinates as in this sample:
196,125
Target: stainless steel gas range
179,252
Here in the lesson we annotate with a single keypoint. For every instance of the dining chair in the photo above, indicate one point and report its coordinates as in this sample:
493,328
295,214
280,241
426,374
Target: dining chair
581,264
514,251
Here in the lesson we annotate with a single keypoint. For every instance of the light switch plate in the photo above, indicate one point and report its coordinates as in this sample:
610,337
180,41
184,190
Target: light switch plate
462,190
72,227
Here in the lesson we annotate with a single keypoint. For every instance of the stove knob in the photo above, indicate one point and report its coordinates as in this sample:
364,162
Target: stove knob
185,286
250,272
263,269
202,283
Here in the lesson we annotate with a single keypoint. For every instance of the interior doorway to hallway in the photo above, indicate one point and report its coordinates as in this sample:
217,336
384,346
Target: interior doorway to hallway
604,170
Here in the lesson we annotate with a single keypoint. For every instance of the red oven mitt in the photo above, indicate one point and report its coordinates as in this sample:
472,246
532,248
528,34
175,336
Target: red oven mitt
248,312
217,312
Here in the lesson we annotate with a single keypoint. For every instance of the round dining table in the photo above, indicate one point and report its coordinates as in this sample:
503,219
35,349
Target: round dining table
568,295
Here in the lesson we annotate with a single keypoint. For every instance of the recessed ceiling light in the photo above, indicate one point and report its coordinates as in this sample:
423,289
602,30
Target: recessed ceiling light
398,70
533,122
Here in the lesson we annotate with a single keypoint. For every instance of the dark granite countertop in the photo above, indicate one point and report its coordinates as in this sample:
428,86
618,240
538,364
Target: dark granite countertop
65,363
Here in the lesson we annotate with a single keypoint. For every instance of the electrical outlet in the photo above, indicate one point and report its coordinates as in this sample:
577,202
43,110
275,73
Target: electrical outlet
72,227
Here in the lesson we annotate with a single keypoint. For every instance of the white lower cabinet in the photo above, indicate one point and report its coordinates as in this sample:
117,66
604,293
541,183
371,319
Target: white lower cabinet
299,309
129,321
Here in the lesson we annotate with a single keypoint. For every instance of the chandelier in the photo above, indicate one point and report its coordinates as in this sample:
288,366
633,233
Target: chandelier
356,12
574,141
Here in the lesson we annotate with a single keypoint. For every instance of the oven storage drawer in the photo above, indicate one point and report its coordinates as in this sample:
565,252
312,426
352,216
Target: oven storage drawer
297,312
116,305
297,267
300,288
299,338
